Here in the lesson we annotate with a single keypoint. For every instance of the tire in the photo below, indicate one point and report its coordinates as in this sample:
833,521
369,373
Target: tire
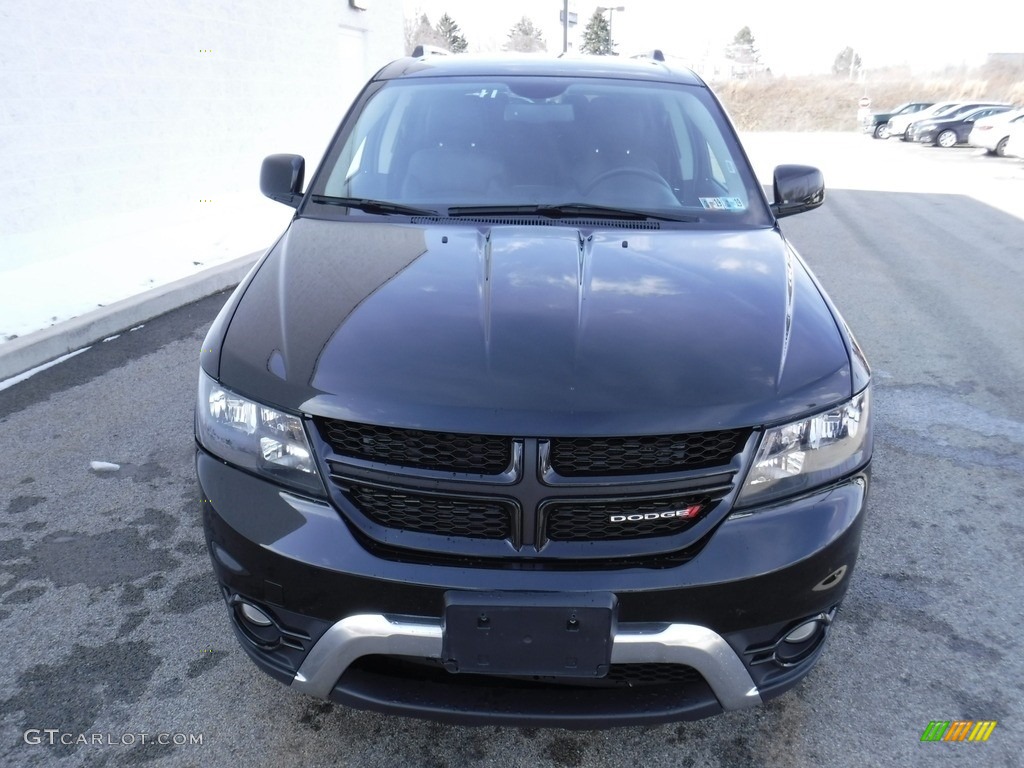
881,131
1001,147
946,139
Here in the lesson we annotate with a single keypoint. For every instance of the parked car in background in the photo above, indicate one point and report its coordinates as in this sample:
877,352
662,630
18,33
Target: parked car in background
949,112
898,124
1015,142
953,129
993,132
877,123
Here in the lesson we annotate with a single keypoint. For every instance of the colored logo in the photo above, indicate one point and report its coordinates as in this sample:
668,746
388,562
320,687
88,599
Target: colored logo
958,730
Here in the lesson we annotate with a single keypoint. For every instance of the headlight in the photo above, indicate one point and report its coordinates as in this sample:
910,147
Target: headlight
255,437
810,452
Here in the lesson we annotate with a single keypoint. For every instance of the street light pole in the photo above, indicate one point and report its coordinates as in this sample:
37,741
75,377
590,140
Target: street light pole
611,11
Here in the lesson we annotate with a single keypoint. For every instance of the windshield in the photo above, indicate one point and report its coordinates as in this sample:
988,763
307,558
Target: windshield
445,142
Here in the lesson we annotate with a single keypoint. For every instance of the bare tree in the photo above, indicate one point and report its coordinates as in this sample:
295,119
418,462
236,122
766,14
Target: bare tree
421,32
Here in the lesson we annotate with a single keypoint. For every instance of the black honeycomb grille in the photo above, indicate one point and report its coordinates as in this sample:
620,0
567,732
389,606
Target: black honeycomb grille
593,456
439,515
407,668
584,520
631,675
621,676
444,451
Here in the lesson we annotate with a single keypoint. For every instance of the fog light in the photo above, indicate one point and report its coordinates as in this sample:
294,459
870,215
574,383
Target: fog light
254,615
804,632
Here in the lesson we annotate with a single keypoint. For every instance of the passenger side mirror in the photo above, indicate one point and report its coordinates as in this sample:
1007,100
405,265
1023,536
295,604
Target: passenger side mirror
281,178
798,188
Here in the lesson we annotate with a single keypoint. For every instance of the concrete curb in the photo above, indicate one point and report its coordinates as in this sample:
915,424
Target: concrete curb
35,349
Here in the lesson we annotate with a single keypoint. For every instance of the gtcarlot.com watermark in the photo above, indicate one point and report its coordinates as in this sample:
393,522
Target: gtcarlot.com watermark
54,736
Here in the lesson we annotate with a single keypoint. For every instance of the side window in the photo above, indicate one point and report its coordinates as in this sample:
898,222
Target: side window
681,131
362,169
357,161
706,164
716,169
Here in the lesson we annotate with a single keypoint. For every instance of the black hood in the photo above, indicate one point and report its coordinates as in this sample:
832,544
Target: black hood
535,330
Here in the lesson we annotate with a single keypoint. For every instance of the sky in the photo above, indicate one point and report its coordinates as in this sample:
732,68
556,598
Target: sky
797,37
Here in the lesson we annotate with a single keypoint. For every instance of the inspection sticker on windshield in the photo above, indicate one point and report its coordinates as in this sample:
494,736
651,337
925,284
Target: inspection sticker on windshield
723,203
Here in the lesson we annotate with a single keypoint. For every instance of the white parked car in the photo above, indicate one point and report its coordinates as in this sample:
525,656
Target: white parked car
1015,144
993,132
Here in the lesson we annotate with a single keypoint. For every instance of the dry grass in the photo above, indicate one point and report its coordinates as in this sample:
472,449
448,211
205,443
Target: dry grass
830,103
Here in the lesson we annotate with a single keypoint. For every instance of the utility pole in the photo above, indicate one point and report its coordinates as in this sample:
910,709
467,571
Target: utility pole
565,26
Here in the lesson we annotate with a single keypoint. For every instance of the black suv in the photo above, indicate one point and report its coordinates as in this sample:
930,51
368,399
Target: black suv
532,415
877,123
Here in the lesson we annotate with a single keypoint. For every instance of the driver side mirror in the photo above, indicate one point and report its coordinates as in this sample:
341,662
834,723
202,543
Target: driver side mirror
797,188
281,178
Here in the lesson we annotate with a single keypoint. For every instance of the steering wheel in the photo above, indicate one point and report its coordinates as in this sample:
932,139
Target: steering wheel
643,173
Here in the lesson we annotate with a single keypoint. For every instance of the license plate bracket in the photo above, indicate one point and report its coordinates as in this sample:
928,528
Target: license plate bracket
550,634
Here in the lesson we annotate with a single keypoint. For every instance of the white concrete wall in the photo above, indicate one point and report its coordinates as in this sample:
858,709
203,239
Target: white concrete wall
133,129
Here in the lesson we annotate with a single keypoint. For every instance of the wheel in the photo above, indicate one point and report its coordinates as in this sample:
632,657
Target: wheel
1001,147
881,131
946,139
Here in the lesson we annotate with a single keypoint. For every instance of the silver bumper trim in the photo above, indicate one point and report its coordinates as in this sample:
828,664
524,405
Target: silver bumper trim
690,644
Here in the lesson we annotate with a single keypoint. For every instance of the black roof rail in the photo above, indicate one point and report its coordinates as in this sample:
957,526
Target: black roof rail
654,55
422,50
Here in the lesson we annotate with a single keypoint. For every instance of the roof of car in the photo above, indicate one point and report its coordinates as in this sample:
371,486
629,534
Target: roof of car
455,65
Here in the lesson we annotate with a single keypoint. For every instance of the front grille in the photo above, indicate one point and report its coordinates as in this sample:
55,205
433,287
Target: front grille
594,456
444,451
619,675
551,499
633,675
585,520
439,515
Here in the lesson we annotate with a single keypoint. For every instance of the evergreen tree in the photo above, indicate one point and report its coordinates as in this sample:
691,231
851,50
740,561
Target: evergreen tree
847,63
743,51
525,37
597,37
453,37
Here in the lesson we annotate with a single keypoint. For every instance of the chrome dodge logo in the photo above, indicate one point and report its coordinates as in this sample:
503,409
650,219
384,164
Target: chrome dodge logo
686,514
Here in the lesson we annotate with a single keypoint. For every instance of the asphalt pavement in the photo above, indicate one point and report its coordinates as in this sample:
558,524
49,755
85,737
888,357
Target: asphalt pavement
38,348
120,651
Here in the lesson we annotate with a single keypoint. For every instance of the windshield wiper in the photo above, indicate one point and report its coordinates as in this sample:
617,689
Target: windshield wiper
373,206
566,211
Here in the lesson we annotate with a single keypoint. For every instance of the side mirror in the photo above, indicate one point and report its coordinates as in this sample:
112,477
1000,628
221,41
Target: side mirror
281,178
798,188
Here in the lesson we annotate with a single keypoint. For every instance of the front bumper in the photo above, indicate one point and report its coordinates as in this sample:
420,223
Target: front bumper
358,636
368,630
